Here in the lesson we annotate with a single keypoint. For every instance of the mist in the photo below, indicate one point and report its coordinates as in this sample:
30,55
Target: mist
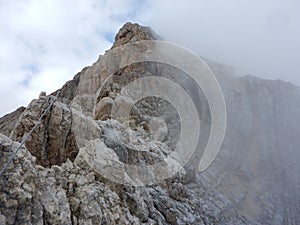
260,38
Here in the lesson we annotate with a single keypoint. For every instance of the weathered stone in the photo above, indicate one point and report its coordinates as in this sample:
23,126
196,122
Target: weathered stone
19,187
103,109
53,141
178,191
134,32
42,94
8,122
254,179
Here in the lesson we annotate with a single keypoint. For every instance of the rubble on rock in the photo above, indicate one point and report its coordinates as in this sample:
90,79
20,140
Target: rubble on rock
72,170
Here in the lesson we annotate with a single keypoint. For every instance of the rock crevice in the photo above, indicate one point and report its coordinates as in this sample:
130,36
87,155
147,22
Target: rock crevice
72,170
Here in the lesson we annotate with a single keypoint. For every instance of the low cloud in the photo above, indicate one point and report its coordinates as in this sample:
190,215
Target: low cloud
44,43
257,37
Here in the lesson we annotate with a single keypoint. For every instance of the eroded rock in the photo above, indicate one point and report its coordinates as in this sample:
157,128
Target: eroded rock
53,142
254,179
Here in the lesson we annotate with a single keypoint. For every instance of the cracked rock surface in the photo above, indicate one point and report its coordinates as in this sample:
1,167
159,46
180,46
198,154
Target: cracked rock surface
75,193
74,167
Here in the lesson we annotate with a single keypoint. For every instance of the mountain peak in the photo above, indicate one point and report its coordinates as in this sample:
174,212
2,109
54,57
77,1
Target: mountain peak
131,32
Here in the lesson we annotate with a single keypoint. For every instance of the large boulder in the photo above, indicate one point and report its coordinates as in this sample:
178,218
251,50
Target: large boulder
53,141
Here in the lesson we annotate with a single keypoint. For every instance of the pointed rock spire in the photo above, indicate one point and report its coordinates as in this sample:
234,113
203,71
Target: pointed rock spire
132,32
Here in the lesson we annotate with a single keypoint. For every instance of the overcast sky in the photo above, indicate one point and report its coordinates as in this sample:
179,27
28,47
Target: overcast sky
44,43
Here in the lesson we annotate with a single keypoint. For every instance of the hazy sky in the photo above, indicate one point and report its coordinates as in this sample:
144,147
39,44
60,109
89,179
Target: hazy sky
43,43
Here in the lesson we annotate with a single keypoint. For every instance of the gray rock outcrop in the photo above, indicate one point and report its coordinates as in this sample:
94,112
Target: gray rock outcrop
74,167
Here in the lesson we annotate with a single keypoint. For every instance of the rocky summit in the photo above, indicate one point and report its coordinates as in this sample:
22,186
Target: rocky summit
84,163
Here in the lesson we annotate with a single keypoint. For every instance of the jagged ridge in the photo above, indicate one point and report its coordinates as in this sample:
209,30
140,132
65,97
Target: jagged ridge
253,181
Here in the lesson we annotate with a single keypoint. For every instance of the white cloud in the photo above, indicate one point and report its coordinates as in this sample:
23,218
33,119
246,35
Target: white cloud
55,37
259,37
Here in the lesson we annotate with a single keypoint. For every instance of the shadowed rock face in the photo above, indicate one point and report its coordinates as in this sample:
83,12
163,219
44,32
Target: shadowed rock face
58,179
8,122
53,142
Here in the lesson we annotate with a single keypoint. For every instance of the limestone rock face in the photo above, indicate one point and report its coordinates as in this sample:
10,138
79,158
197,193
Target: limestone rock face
20,187
258,164
134,32
79,165
74,193
53,142
8,122
103,108
69,90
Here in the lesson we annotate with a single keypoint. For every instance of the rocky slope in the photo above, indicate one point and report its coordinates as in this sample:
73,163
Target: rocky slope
58,177
8,122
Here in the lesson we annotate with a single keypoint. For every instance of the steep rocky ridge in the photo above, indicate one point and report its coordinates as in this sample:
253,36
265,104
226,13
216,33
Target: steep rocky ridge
8,122
54,180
